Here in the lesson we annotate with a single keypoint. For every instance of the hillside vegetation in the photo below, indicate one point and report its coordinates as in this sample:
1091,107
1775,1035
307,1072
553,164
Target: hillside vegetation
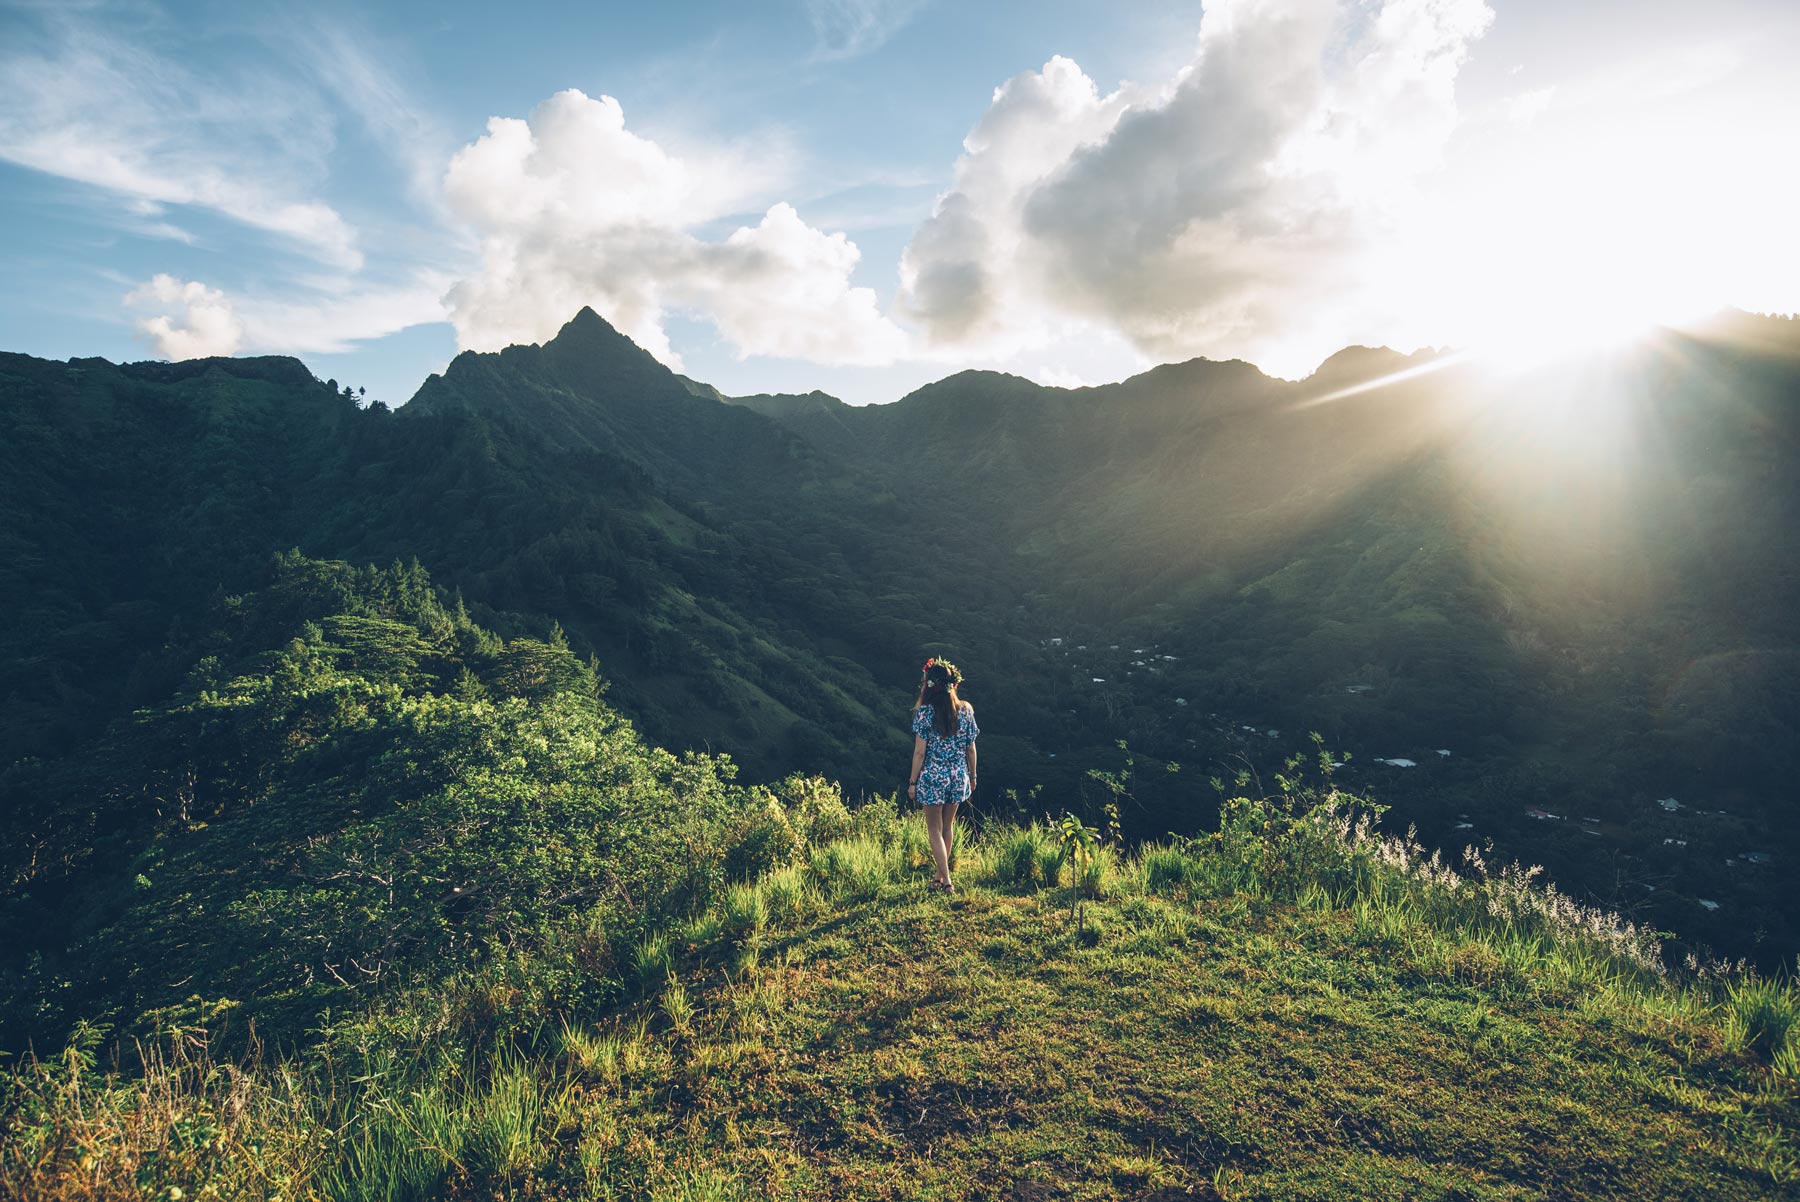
1579,586
391,906
559,856
1293,1010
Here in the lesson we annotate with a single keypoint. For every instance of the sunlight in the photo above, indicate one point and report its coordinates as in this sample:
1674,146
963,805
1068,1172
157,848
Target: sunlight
1581,231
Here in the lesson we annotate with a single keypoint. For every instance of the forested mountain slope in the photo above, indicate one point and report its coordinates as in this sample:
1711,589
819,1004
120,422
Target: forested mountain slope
1580,585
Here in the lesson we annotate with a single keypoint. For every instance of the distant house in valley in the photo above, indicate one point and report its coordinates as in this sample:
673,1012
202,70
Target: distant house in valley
1542,815
1669,804
1400,762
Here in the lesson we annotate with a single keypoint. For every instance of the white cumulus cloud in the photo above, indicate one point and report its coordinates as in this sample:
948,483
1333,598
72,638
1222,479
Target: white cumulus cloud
575,209
185,319
1236,209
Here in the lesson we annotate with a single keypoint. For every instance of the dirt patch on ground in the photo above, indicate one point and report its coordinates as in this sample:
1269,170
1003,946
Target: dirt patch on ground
922,1113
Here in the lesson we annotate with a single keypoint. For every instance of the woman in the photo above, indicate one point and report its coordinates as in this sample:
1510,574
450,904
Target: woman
943,763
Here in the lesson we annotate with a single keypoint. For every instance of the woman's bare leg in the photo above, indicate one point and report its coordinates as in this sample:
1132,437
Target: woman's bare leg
940,851
948,823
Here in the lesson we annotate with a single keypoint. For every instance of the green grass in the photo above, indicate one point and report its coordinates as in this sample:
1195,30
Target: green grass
836,1030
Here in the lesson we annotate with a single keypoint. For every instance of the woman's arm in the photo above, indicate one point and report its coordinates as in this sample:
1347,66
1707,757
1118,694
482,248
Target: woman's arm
912,779
970,756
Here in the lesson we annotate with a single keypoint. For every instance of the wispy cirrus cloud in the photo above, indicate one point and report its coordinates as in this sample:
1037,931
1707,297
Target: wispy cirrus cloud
845,29
341,61
89,106
98,96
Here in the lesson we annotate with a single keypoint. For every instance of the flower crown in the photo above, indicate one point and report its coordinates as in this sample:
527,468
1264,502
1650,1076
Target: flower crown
955,674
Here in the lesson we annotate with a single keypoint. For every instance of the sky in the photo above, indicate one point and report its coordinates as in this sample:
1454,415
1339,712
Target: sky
862,196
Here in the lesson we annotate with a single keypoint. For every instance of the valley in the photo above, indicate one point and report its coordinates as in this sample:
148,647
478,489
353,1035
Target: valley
1403,566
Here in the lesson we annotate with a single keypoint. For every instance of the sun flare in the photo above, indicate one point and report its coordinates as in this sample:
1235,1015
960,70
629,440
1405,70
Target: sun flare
1592,222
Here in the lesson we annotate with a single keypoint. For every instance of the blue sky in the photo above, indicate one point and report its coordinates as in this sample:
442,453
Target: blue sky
864,195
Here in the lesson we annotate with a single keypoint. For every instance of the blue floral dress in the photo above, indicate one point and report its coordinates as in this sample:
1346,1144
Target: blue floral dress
945,775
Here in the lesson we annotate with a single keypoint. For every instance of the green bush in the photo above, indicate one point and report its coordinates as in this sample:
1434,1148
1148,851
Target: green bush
852,867
1169,869
768,841
1027,856
652,958
815,806
1762,1017
786,890
744,912
1096,877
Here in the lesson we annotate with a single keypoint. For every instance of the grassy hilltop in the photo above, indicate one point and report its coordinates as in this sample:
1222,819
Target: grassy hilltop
389,905
836,1031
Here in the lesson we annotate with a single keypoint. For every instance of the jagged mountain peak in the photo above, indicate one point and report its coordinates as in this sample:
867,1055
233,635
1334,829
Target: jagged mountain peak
588,357
589,327
589,341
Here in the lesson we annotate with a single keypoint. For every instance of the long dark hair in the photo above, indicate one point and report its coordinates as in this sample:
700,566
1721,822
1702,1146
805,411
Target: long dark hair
938,690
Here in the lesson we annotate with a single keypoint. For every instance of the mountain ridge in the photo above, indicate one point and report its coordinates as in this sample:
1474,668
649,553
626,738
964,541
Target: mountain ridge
1387,569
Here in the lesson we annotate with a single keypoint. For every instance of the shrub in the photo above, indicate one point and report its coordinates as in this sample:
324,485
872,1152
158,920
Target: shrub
816,808
768,841
652,959
1028,856
1096,876
503,1137
1761,1016
1169,869
853,866
744,913
786,890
